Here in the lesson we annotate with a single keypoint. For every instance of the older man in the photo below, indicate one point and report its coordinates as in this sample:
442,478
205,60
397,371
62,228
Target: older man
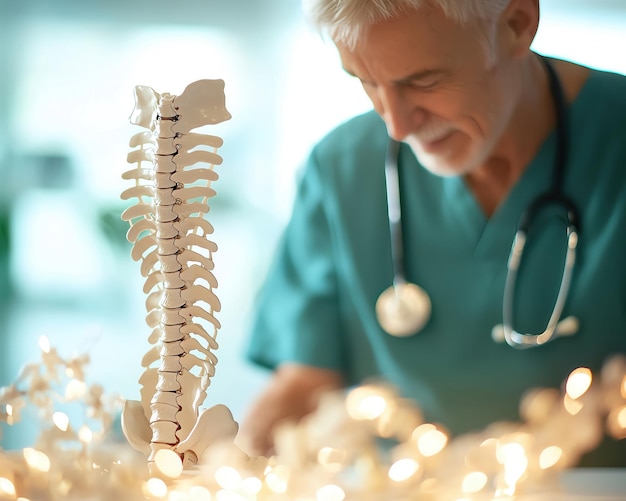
486,127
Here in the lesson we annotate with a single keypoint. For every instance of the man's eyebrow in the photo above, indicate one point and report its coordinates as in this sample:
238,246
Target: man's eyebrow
413,77
421,75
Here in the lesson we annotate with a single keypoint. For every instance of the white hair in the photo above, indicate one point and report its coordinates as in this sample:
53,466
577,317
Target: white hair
343,20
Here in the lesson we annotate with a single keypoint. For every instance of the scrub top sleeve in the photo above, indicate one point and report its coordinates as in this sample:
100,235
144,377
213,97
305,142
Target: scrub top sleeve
296,313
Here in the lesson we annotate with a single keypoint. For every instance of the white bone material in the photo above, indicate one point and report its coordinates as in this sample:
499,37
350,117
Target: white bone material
173,171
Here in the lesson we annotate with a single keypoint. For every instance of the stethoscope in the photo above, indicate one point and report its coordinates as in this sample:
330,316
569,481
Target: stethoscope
404,308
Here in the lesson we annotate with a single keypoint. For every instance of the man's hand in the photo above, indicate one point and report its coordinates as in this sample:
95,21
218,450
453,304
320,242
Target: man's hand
292,393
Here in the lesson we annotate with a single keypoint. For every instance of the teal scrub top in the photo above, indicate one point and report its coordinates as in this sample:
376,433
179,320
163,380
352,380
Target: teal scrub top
317,306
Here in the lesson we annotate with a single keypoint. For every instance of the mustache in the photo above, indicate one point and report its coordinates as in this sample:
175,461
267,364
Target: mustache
432,131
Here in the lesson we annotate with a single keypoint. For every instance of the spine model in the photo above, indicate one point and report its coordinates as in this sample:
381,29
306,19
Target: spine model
173,172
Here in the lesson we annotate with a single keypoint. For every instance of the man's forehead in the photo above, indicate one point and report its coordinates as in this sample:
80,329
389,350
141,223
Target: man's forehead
403,48
424,23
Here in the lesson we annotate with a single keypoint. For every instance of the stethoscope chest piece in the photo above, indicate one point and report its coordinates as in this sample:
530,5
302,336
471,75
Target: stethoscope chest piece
403,309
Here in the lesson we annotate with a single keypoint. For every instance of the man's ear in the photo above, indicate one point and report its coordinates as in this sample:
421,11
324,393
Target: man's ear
518,26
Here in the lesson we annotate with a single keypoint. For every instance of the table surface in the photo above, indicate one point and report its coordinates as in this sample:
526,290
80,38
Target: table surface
587,484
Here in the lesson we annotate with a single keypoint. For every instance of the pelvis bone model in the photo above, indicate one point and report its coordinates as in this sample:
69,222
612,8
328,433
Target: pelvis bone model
173,174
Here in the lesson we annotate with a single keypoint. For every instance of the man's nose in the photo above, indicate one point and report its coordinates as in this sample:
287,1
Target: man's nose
399,114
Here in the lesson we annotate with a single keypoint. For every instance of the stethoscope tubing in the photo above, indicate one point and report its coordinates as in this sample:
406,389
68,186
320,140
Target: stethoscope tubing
553,197
394,212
